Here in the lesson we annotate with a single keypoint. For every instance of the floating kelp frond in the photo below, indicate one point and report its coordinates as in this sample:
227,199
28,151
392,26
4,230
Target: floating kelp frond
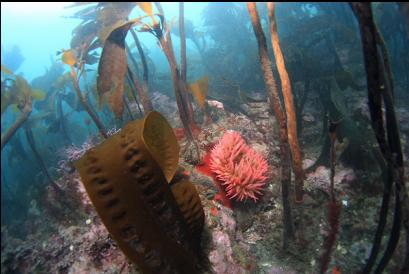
98,22
199,90
68,57
6,70
112,16
19,93
38,94
147,8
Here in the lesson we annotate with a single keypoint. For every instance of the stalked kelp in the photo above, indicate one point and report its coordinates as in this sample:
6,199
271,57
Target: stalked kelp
289,106
380,92
141,89
162,32
334,206
144,210
69,58
276,106
183,63
39,159
156,225
111,77
144,91
98,23
112,36
51,110
182,34
19,94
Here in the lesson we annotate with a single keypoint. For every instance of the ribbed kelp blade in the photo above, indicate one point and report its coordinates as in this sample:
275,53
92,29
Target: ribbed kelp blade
135,203
161,142
191,207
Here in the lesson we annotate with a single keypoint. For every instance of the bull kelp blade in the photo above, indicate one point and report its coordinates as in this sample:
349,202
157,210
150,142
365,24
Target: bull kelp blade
112,69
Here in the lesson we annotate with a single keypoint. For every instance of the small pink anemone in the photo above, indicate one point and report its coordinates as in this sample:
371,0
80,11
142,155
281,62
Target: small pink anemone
240,168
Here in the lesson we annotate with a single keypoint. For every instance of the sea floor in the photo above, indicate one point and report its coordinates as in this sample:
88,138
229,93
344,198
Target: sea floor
65,235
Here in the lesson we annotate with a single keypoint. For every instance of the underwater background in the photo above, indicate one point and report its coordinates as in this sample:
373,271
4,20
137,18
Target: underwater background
206,137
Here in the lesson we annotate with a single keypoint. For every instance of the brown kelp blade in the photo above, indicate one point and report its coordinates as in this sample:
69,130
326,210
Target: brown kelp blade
112,69
135,203
161,142
191,207
111,16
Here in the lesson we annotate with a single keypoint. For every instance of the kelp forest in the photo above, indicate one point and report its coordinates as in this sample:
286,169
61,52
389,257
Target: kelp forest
255,138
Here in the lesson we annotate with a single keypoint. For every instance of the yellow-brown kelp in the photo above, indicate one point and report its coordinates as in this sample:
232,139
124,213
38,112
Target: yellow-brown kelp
99,21
289,106
276,106
199,90
21,95
162,33
112,69
127,177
